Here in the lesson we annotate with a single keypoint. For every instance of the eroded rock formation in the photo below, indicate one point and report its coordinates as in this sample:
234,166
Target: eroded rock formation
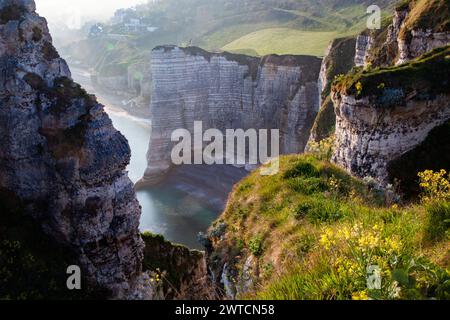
61,156
338,60
228,91
417,28
183,273
386,113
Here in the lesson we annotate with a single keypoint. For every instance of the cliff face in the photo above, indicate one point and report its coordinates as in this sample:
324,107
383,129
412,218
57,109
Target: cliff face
385,113
421,27
363,45
370,138
417,27
228,91
339,59
183,272
61,156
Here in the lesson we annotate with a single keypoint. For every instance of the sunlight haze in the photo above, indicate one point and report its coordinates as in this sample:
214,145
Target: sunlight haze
72,13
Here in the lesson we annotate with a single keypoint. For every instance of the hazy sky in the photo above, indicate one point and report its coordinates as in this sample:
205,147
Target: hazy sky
72,11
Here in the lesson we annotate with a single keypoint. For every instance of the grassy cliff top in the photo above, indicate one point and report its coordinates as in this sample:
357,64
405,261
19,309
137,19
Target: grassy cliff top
315,230
423,77
253,27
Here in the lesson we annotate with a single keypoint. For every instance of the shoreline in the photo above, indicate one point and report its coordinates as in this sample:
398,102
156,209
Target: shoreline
108,99
209,186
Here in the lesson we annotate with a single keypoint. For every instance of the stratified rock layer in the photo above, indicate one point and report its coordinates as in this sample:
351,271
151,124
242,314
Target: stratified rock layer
227,91
183,272
417,28
369,138
386,113
62,157
339,59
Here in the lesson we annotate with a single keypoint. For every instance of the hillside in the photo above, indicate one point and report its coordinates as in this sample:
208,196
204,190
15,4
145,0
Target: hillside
252,27
213,24
371,201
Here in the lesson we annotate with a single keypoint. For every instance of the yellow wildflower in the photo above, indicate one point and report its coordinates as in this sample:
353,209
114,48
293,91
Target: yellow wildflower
327,239
362,295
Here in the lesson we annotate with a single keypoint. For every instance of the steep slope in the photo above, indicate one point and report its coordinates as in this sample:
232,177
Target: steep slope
339,59
253,27
313,232
62,163
378,122
228,91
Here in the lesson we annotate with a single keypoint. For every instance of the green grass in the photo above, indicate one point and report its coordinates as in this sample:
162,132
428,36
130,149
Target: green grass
283,41
32,264
319,229
428,14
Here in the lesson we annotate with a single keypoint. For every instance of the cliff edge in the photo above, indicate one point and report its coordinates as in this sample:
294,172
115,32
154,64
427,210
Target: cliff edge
61,159
229,91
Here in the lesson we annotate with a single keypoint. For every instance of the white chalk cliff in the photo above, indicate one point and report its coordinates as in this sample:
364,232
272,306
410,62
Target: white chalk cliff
62,158
228,91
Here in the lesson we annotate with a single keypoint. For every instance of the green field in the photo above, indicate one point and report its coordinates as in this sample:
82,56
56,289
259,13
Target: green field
251,27
283,41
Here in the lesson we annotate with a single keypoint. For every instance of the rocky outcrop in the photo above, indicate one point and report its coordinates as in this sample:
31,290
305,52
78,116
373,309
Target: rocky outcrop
61,156
369,138
417,28
421,42
421,27
176,273
384,114
228,91
363,45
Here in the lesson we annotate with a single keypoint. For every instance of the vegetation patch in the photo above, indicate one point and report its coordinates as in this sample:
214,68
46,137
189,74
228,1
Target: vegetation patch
173,264
336,231
420,79
33,265
12,12
339,61
431,154
37,34
438,221
426,15
49,51
325,123
283,41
